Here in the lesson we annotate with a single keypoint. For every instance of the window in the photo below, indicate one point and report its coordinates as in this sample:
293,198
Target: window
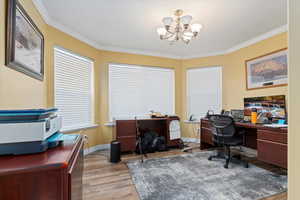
204,91
135,90
73,89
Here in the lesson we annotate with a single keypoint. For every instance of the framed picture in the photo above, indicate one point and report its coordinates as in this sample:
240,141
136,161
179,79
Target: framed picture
269,70
24,42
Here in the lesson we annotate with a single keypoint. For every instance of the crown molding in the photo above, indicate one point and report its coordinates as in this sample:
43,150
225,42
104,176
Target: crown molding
218,53
47,18
138,52
247,43
259,38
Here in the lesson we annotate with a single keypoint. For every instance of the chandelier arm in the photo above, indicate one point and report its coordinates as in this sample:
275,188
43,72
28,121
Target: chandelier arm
185,41
168,31
168,36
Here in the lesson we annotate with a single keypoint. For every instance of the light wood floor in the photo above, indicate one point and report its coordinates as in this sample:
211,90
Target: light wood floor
103,180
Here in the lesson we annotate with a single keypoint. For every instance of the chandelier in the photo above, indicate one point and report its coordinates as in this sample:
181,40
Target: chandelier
178,28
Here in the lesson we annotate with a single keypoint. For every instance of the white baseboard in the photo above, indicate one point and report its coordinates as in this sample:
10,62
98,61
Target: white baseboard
107,146
195,140
96,148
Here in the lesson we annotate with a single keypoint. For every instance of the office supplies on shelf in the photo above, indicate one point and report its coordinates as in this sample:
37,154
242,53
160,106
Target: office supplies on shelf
253,115
281,121
192,118
156,114
273,107
276,125
29,131
210,112
237,115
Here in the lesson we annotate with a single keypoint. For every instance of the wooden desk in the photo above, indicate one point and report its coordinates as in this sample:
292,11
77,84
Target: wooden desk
125,131
271,143
53,175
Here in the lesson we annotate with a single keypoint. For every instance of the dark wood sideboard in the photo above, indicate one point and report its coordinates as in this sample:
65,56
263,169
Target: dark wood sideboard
53,175
270,143
126,133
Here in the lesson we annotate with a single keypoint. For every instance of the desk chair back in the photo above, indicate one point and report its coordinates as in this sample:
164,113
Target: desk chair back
222,125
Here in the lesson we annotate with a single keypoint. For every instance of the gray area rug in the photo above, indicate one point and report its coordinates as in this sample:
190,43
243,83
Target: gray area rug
193,177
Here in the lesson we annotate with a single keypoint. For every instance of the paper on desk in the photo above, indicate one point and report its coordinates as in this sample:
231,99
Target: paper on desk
276,125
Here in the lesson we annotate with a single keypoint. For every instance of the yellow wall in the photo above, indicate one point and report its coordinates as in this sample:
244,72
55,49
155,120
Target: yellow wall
16,89
20,91
234,75
294,101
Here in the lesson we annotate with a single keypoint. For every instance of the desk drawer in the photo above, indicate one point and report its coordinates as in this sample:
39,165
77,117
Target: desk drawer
272,152
272,136
126,128
205,124
127,143
206,136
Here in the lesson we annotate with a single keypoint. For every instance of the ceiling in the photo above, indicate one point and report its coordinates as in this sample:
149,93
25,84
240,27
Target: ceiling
130,25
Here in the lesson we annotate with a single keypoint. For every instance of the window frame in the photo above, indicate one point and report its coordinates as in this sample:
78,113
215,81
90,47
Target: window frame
110,117
92,123
188,109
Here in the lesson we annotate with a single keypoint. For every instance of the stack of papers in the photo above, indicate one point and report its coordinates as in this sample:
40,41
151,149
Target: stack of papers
276,125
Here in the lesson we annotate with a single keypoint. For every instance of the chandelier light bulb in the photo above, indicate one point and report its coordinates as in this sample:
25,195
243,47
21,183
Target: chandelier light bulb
167,21
186,19
188,34
186,37
161,31
196,28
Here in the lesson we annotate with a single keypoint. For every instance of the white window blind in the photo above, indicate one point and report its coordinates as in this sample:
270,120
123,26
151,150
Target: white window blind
136,90
73,86
204,91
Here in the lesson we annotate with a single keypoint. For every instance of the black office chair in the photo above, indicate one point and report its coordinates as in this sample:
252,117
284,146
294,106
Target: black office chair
225,135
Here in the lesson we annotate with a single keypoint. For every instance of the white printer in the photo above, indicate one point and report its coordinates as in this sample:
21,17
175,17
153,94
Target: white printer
28,131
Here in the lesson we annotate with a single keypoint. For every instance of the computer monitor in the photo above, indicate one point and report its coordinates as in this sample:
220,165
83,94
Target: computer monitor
237,115
273,106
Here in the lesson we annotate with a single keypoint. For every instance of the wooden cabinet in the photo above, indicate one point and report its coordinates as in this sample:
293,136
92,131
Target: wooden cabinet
53,175
206,136
126,134
272,146
126,131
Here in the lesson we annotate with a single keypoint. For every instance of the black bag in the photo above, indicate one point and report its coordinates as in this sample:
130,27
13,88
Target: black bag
147,141
159,144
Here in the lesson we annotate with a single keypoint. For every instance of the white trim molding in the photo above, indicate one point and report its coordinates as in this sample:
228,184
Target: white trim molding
96,148
259,38
50,21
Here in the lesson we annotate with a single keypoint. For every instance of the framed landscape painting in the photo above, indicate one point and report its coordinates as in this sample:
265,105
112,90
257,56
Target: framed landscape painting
269,70
24,42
